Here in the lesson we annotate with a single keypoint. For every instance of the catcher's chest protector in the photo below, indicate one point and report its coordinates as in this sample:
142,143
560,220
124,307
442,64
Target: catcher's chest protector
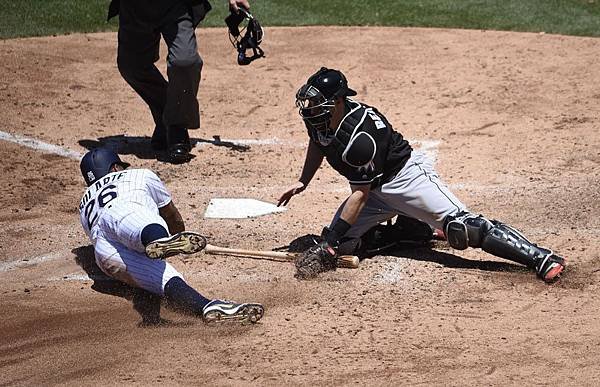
362,144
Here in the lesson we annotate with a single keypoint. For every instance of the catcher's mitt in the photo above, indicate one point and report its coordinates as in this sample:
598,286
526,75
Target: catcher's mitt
317,259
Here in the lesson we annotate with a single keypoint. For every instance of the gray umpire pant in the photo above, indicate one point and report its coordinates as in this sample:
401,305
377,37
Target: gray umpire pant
141,24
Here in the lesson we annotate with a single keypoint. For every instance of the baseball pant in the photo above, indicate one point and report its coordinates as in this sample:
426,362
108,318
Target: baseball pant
173,102
120,253
416,191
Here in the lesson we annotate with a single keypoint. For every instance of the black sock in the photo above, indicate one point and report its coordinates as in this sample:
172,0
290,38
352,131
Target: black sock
152,232
184,296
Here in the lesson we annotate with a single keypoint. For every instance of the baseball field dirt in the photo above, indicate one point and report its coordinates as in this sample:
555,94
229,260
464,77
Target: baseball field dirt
510,118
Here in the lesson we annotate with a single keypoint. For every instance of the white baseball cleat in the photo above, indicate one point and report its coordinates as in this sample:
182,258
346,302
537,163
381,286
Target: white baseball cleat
221,310
185,242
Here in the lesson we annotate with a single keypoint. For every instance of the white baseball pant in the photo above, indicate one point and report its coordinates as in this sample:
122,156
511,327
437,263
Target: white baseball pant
119,251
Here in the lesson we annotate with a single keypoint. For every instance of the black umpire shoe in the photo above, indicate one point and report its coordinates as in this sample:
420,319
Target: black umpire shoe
178,145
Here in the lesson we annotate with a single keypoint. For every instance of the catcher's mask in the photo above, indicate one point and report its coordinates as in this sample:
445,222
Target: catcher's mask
97,163
252,38
316,101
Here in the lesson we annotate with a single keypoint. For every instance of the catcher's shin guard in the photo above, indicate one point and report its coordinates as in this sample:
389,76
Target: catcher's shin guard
503,241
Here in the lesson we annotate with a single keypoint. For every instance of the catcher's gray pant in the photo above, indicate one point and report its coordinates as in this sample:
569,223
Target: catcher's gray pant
172,103
416,191
119,251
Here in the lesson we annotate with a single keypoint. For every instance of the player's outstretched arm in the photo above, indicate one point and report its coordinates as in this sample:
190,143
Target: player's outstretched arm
171,215
312,162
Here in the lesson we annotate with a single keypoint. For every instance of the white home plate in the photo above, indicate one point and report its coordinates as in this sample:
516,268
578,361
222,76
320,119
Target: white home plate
230,208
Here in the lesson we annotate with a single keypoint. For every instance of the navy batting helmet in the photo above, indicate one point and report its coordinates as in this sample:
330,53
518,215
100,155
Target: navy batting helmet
98,162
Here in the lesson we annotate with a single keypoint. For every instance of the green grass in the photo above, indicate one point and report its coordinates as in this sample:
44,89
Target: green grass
568,17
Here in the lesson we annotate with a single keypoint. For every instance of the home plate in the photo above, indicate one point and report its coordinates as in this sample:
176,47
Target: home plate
231,208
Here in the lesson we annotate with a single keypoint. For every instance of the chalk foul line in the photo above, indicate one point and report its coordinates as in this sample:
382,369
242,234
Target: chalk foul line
39,145
26,262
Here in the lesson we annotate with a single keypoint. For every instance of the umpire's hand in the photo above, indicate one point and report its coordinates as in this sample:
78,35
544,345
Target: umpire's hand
234,5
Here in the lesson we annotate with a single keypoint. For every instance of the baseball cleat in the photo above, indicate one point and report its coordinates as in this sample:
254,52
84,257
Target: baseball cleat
220,310
185,242
550,267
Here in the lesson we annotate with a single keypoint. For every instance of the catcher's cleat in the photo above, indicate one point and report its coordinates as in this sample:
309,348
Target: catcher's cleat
550,267
185,242
220,310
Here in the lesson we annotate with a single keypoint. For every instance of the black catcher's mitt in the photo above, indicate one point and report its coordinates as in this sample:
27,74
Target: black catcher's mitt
317,259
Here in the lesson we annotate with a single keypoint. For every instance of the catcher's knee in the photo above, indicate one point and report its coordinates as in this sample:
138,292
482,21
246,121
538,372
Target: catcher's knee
466,230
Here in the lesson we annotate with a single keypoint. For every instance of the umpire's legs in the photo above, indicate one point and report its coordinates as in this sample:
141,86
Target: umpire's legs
138,49
184,67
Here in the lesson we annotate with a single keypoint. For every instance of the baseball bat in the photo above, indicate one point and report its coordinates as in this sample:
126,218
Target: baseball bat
345,261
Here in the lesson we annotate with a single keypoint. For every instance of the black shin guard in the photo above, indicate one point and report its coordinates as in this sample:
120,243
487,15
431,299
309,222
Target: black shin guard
467,230
505,242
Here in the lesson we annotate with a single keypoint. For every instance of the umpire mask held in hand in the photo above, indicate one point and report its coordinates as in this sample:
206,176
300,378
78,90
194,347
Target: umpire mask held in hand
252,36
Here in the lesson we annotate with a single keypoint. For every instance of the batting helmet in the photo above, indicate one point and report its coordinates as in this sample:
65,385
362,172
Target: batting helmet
97,163
316,99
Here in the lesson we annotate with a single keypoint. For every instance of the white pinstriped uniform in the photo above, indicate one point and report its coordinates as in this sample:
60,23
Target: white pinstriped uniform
113,213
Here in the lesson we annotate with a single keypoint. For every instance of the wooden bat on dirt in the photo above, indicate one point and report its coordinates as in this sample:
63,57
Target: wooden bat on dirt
345,261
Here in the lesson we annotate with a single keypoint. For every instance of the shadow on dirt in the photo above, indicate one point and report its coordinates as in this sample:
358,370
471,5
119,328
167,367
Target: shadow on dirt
429,254
145,303
140,146
419,251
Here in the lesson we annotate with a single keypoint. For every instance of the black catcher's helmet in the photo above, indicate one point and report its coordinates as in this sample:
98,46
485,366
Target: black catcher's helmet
316,99
97,163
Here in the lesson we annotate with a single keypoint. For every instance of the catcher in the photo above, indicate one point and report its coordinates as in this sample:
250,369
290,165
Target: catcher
388,178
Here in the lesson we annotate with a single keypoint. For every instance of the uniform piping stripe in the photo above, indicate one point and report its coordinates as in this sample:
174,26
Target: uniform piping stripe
363,182
351,142
437,185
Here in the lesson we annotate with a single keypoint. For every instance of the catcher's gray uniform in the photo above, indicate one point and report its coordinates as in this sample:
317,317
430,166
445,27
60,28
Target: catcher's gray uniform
368,151
415,191
391,179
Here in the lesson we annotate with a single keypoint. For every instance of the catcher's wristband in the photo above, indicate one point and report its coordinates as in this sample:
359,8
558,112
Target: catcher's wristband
338,230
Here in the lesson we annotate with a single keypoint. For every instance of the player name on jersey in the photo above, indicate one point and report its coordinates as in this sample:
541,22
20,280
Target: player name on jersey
98,185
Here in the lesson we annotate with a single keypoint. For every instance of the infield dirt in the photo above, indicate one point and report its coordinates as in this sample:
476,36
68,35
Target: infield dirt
511,118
